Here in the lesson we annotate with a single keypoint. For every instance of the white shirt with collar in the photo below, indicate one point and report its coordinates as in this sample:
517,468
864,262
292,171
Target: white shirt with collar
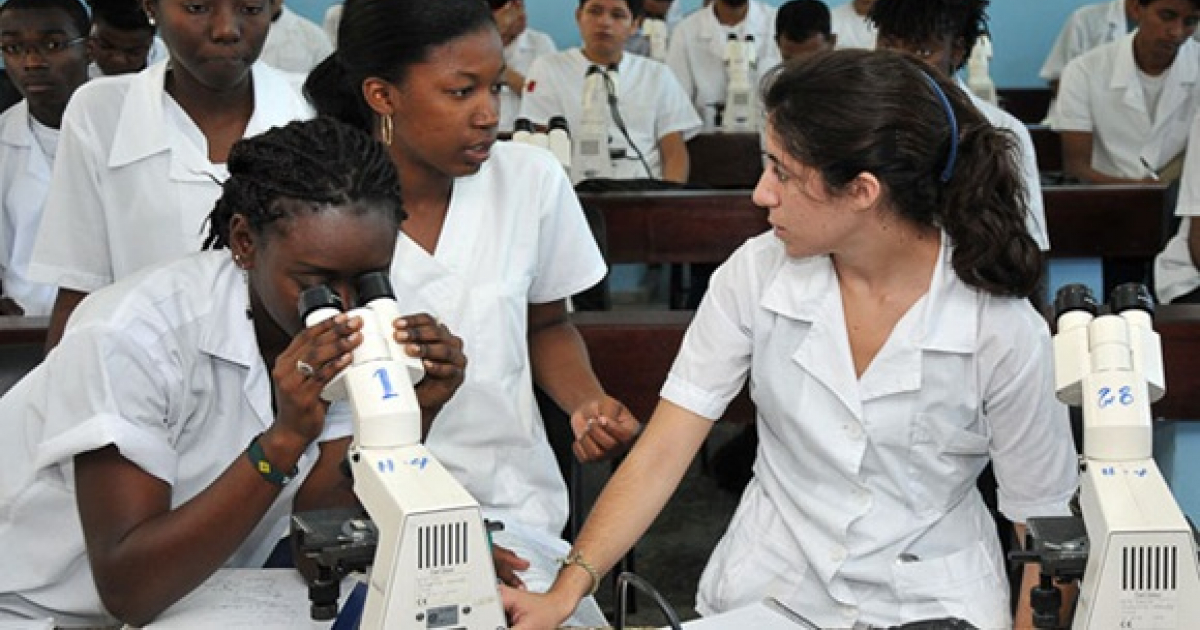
165,366
295,44
649,98
24,182
863,505
696,52
132,184
1174,272
1088,27
519,54
1100,94
852,30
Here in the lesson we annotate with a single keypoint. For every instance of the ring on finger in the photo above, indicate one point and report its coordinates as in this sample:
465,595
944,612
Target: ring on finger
305,369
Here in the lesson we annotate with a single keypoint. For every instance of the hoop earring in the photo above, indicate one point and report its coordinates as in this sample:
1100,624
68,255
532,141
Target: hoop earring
385,129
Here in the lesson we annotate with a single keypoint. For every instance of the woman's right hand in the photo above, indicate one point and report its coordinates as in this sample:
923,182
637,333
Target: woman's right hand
535,611
311,360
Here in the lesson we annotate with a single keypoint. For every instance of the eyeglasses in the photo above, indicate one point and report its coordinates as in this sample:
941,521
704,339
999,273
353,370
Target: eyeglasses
46,47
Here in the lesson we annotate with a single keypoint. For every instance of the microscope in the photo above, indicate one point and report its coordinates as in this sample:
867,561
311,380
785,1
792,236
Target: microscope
556,139
656,33
431,565
1134,550
591,159
740,112
979,80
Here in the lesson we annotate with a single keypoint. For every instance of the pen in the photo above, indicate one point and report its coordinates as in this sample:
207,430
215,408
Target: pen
1153,173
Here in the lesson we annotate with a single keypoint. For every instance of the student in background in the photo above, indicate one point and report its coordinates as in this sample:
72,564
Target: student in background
803,27
42,43
294,44
891,351
1124,109
522,45
1088,26
852,26
494,244
122,38
639,43
653,114
142,155
194,389
942,33
696,53
1176,271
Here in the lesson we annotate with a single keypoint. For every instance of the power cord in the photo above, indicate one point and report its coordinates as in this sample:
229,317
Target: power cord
620,122
627,578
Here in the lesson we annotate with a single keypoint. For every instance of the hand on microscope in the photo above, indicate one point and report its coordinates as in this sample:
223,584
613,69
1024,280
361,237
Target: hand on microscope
603,428
440,351
315,355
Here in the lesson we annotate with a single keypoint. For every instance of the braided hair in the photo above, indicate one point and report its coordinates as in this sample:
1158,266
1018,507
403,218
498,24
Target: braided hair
322,161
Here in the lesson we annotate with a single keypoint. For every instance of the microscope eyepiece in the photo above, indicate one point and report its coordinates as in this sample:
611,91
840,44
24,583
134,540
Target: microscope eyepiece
559,122
372,286
318,297
1131,295
1074,297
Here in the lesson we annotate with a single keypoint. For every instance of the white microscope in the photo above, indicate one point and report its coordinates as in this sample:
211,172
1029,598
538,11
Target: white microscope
979,79
432,565
591,159
656,33
1139,548
741,63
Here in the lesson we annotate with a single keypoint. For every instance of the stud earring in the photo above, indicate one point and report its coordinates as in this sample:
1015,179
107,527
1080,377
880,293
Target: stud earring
237,260
385,129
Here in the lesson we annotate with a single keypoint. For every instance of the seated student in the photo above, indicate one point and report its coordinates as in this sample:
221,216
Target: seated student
852,26
122,38
194,388
884,327
1176,270
1124,108
294,43
653,11
521,46
696,53
650,116
942,33
41,42
142,155
803,27
1088,27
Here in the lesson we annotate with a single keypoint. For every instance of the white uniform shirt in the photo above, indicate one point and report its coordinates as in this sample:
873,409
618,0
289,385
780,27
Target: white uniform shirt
863,505
696,52
1088,27
852,30
1100,94
1174,272
166,367
519,55
651,102
514,236
333,18
295,44
132,184
24,182
1035,217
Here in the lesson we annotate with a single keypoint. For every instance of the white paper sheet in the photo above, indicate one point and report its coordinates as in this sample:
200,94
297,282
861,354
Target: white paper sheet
263,599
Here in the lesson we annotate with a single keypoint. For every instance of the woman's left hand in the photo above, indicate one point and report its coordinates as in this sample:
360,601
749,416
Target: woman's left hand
440,351
603,428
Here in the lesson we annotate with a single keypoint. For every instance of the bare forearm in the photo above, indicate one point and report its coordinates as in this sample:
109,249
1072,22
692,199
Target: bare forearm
561,366
676,163
64,305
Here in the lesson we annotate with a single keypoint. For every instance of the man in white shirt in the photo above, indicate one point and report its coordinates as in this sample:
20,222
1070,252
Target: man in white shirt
803,27
43,45
696,53
648,113
294,44
122,39
1124,108
521,46
852,26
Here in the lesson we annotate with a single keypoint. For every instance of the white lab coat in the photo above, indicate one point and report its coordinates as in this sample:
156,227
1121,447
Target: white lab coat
132,184
1100,94
519,54
166,367
696,52
295,44
514,236
1174,272
852,29
1088,27
863,505
24,182
1035,215
651,102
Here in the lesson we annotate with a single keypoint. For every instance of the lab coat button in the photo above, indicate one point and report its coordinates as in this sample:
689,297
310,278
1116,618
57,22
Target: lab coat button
837,554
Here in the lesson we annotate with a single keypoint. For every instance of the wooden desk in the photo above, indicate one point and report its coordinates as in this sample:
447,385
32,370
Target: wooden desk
1047,146
1029,105
1105,221
725,160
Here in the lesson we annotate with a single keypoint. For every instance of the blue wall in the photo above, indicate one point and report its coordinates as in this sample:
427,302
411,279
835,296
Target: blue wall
1022,30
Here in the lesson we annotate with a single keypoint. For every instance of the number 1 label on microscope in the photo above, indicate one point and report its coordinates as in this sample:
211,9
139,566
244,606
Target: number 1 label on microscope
385,381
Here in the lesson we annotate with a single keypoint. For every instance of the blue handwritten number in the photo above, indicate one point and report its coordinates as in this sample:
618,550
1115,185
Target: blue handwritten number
1106,397
386,382
1126,396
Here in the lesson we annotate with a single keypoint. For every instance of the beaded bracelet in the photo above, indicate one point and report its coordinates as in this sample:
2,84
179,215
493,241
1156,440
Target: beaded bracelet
576,558
258,459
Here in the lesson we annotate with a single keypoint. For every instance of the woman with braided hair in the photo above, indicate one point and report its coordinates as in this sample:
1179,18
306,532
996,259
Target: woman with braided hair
193,388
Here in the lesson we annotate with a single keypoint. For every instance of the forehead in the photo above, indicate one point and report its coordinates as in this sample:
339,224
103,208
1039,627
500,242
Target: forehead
357,235
49,20
477,53
606,4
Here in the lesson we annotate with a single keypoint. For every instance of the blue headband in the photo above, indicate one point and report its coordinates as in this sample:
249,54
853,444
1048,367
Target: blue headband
950,159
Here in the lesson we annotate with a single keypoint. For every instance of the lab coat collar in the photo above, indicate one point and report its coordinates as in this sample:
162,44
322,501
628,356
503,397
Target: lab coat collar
1181,76
1115,17
15,133
949,316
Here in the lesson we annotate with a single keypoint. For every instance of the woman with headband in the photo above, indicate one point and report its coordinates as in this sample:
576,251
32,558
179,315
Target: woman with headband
892,353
